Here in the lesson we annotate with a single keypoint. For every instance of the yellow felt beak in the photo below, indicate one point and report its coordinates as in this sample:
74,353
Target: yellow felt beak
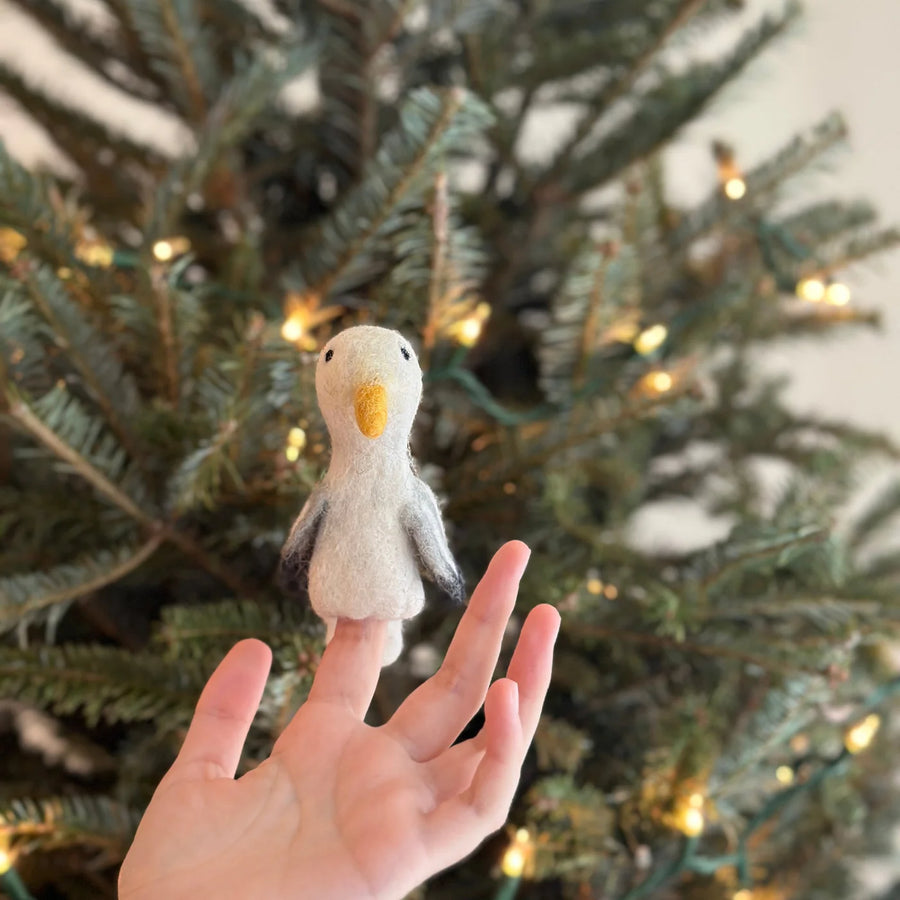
371,408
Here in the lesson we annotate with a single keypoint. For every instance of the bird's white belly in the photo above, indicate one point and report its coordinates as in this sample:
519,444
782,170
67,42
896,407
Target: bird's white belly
363,564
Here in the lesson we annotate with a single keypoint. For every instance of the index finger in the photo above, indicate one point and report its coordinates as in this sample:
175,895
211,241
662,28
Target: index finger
351,665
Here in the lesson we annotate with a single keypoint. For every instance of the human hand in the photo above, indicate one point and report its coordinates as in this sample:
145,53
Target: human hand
341,809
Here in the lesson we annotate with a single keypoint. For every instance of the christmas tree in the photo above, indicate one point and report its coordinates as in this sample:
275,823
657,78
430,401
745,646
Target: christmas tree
589,349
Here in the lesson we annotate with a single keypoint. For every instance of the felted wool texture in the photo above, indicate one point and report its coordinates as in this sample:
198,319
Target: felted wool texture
371,522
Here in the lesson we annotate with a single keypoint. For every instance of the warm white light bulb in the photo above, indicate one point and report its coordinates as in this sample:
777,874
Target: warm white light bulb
811,289
860,735
735,188
691,822
297,438
785,774
292,329
837,294
661,382
513,864
163,251
469,331
651,339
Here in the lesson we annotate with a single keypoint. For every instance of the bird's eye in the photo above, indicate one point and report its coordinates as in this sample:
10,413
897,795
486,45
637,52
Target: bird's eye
328,355
405,352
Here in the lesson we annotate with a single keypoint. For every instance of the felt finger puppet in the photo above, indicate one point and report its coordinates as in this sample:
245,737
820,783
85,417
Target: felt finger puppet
371,525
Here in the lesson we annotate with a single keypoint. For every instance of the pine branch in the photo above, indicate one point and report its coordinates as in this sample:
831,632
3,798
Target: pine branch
884,567
22,337
876,518
235,21
163,314
431,124
862,247
96,361
617,88
25,598
59,423
162,296
767,663
99,682
795,157
568,343
57,418
123,11
238,109
823,222
182,25
660,112
71,34
177,50
199,632
729,558
787,710
60,821
113,163
26,204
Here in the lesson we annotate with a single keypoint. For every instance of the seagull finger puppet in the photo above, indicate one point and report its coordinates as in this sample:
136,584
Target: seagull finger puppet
371,524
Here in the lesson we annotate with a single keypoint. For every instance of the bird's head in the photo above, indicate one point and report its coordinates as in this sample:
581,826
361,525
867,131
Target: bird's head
369,384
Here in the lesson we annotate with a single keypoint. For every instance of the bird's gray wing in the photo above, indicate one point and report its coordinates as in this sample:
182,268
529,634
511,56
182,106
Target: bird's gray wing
422,520
296,555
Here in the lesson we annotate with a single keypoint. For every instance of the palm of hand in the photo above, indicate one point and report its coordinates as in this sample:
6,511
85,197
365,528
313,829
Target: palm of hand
341,809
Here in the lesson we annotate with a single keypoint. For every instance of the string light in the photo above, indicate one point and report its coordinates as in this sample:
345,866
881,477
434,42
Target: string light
303,314
660,382
730,175
651,339
691,822
811,289
735,188
95,253
467,330
509,488
742,894
10,882
610,591
295,445
594,583
860,735
785,775
837,294
297,438
168,248
688,815
292,329
11,244
515,859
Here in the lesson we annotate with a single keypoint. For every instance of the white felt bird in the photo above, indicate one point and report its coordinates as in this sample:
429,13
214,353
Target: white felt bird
371,524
